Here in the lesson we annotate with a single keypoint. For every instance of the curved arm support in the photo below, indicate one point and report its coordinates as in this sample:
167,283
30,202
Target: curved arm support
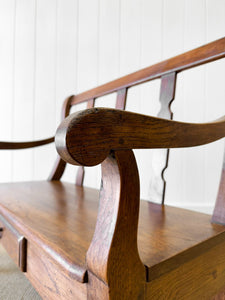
113,256
60,165
24,145
86,137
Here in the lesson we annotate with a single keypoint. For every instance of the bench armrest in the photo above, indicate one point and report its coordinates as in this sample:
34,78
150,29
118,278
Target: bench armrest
86,137
24,145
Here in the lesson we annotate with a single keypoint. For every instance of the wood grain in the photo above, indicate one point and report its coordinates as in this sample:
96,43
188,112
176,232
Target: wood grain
43,268
86,137
199,278
111,257
204,54
60,165
55,223
81,171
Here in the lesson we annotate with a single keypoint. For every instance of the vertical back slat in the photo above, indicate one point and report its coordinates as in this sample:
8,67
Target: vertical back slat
161,157
121,99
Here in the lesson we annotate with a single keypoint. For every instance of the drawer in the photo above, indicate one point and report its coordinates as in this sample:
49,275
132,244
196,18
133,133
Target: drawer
14,243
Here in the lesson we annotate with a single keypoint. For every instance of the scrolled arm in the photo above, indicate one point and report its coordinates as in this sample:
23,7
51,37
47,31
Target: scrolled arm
86,137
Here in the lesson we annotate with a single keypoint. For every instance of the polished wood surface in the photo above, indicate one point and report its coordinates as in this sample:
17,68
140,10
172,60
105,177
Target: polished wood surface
60,165
110,253
53,213
81,171
55,221
86,137
204,54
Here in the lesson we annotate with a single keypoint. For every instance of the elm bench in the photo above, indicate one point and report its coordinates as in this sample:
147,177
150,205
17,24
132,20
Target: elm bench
74,242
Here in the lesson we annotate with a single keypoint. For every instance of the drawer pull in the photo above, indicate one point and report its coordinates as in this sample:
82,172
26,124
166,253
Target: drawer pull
22,253
15,243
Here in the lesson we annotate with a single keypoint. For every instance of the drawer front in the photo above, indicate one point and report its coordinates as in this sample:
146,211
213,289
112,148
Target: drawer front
14,243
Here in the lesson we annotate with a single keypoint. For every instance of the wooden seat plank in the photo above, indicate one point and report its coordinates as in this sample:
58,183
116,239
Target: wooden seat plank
51,215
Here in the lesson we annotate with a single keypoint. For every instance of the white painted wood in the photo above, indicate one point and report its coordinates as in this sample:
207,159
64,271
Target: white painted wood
88,59
66,61
171,35
151,52
23,105
7,34
185,180
45,84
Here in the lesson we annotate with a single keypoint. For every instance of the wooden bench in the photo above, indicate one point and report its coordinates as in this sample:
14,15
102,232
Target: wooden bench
73,242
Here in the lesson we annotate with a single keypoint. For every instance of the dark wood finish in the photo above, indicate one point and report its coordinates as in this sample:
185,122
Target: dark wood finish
109,253
14,243
81,171
204,54
60,165
120,130
158,182
120,104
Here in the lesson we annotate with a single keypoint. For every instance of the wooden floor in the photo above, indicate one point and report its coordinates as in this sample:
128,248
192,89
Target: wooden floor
56,221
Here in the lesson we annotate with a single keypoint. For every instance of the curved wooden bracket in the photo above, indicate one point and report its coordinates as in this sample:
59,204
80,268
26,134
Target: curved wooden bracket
60,165
113,255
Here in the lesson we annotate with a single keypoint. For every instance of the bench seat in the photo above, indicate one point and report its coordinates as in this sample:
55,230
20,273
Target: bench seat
58,219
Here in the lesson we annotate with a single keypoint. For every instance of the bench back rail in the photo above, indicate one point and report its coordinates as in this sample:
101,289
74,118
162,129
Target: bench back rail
167,72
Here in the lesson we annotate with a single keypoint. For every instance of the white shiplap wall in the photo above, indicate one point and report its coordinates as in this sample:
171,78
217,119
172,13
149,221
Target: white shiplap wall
50,49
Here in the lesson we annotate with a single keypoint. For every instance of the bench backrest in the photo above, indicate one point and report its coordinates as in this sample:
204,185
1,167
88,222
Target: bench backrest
167,71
